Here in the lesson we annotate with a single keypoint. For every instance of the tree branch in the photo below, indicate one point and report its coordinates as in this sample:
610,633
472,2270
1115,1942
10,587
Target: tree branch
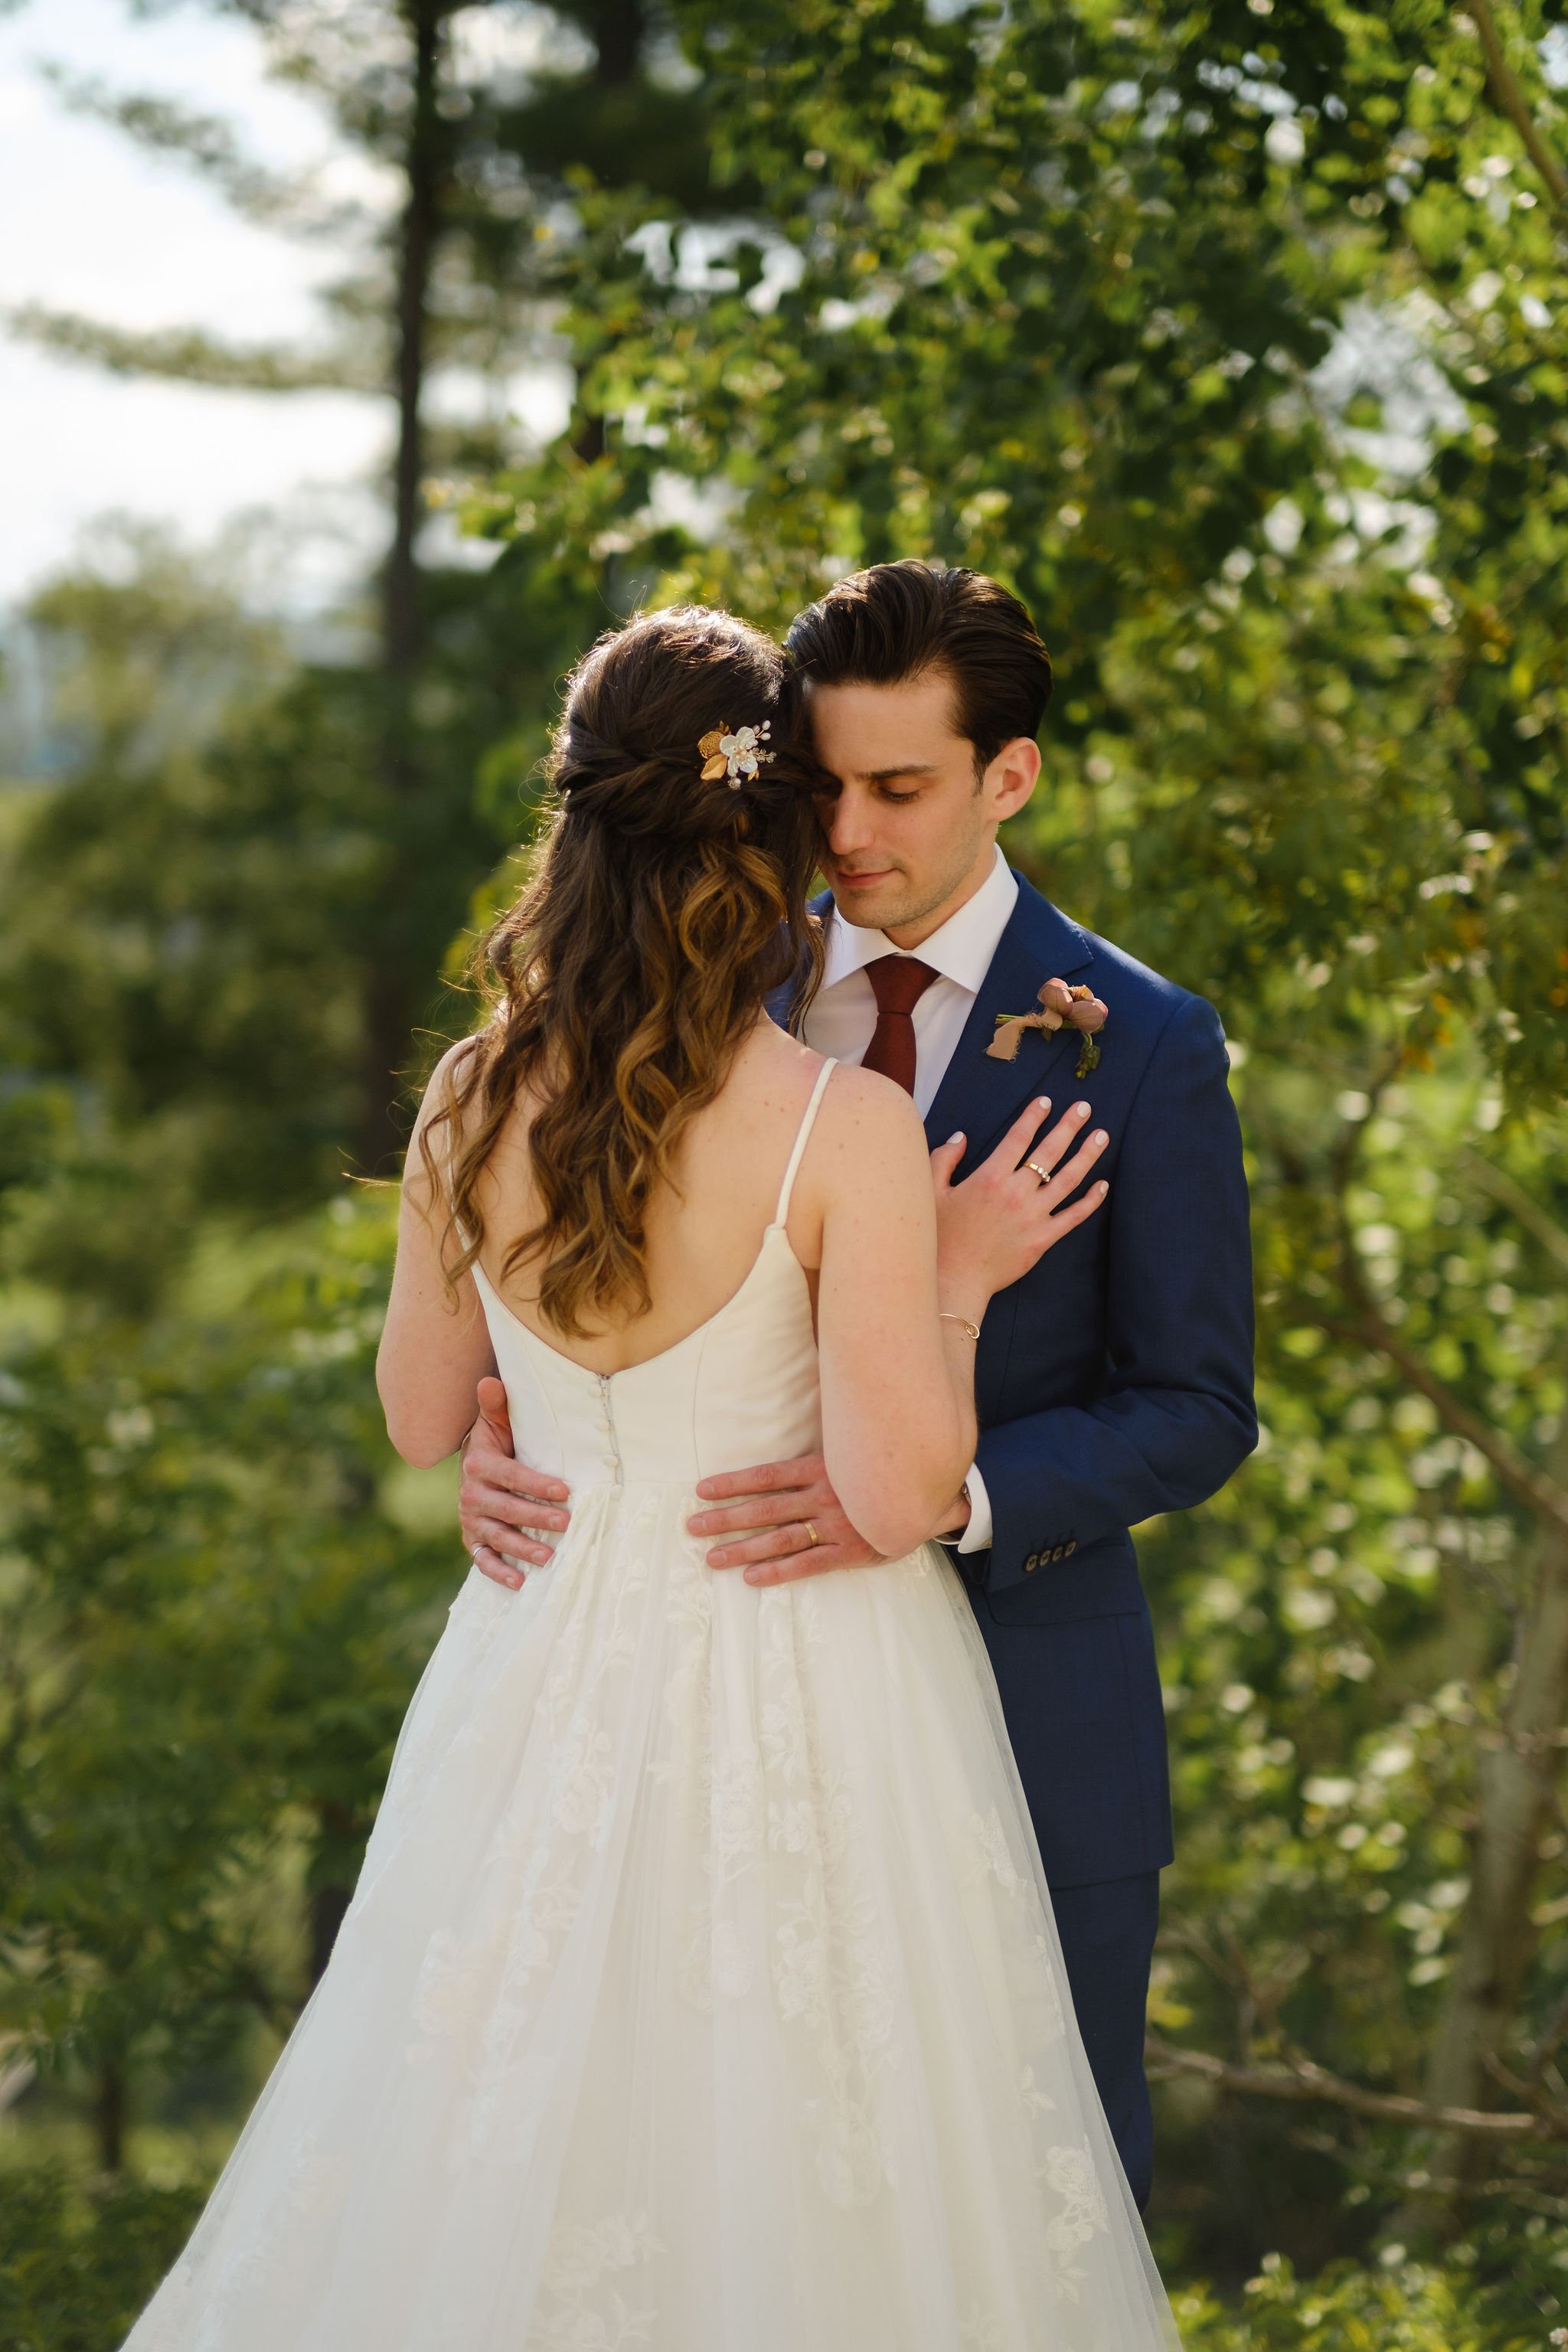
16,2074
205,141
1532,1486
1546,2049
1510,100
1300,2079
1519,2184
186,355
1521,1205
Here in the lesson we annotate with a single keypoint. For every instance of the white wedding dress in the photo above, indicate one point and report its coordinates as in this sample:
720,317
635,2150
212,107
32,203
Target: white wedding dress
700,1992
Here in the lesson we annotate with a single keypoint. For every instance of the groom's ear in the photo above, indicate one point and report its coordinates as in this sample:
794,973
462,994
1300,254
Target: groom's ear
1009,779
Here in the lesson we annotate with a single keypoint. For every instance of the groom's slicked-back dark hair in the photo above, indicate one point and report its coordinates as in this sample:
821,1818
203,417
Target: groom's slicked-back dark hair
895,622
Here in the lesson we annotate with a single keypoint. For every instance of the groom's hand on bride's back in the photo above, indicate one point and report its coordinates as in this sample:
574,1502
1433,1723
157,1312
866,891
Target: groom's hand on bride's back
768,1517
504,1507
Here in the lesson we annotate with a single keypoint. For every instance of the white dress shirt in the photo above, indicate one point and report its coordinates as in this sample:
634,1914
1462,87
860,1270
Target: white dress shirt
843,1015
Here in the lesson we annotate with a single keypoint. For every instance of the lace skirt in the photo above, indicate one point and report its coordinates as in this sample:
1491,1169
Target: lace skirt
700,1994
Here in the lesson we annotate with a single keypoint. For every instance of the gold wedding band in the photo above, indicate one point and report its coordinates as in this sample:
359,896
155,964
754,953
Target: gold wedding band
1038,1170
811,1531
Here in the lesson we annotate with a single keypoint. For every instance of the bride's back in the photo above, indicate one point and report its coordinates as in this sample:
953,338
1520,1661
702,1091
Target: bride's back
704,1226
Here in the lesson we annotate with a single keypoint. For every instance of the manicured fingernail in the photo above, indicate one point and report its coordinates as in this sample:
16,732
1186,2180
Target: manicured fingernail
1102,1189
956,1136
1081,1111
1043,1102
1100,1136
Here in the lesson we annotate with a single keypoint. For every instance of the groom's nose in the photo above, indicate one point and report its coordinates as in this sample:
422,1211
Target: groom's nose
847,822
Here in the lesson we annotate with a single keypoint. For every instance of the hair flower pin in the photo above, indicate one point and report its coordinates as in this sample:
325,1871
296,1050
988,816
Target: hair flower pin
736,754
1061,1007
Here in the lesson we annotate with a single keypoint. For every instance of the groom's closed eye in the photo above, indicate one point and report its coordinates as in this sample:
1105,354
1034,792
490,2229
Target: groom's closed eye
899,783
895,789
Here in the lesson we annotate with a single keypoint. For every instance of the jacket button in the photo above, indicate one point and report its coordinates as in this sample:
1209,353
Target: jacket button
1071,1548
1033,1561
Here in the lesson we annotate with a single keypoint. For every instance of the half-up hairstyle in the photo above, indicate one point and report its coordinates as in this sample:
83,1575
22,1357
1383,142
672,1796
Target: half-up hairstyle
661,912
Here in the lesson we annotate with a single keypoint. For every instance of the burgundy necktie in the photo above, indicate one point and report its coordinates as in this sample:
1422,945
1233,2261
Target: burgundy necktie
898,983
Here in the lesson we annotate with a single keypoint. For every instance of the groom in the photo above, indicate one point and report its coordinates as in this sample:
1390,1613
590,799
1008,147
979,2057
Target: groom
1114,1382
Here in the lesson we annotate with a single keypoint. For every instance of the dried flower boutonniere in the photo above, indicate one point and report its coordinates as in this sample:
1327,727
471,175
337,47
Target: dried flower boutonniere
1061,1007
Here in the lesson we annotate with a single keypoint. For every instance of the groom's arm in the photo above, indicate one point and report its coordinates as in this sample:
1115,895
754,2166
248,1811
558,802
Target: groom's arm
1177,1415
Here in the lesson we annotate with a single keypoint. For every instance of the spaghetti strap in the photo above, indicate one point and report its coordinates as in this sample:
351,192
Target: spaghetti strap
803,1136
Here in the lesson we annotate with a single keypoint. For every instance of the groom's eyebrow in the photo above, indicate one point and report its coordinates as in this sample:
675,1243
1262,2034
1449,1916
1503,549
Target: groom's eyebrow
904,768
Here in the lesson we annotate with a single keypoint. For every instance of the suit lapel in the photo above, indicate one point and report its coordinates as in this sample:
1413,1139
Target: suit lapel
980,1095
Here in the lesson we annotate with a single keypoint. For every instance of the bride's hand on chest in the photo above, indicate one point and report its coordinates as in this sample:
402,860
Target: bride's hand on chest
1019,1202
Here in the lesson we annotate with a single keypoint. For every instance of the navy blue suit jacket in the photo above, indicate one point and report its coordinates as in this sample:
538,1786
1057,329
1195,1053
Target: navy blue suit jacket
1113,1382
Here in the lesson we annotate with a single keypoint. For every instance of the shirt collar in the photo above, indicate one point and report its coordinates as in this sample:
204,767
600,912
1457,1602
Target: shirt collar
961,950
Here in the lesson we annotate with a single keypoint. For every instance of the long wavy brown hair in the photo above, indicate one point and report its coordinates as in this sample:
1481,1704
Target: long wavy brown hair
661,910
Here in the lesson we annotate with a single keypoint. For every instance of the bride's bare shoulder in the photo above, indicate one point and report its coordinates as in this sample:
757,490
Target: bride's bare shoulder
856,1103
870,1133
446,1112
451,1073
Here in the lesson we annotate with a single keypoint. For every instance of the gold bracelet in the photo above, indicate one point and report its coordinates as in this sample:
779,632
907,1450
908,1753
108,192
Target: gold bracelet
971,1330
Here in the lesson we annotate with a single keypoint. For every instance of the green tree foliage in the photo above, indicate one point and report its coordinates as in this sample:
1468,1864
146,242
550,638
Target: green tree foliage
1231,336
199,910
1395,2305
76,2269
213,1619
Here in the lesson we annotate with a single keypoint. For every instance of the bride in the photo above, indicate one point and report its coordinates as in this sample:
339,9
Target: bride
700,1991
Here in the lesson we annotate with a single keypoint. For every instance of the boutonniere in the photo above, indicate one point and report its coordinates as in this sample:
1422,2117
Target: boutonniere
1061,1007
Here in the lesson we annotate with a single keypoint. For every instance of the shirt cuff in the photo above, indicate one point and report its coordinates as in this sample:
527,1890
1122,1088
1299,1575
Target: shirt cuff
976,1536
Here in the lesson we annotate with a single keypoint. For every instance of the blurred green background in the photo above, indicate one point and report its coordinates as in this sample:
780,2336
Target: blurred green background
1232,336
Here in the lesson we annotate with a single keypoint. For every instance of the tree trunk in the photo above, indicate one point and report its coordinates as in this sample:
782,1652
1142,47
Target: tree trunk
388,1020
388,1011
616,28
1515,1794
424,161
326,1905
108,2116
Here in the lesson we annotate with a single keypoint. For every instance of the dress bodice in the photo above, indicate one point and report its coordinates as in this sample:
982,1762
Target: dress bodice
742,1388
